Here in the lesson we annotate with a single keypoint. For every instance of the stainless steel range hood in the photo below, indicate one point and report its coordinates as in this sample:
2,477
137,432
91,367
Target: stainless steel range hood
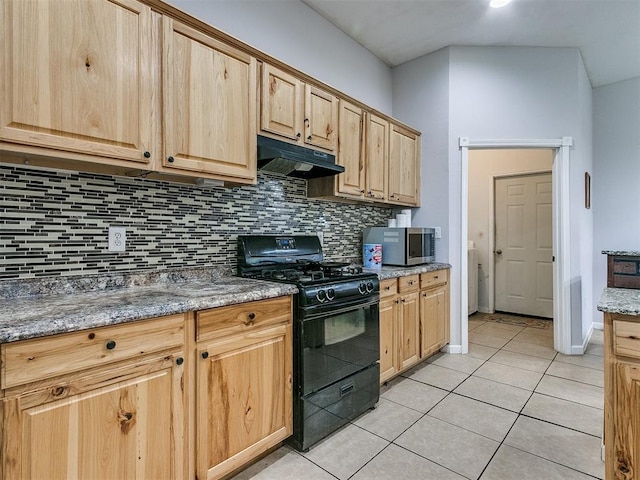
295,161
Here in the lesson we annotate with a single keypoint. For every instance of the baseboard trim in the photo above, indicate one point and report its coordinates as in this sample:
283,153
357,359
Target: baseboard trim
451,349
580,349
598,325
484,310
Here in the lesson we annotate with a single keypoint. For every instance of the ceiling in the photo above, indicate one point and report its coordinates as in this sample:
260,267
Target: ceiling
607,32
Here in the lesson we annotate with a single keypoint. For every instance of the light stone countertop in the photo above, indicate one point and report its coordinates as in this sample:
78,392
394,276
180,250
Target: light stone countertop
40,307
387,272
37,316
621,253
624,301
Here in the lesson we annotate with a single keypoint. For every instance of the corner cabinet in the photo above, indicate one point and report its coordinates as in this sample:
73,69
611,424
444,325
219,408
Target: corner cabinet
404,166
244,382
297,112
103,403
77,79
209,105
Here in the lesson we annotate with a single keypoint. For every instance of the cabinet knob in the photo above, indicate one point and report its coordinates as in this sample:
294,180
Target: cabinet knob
204,355
298,135
250,318
306,120
110,345
361,191
179,361
387,287
170,159
309,138
147,154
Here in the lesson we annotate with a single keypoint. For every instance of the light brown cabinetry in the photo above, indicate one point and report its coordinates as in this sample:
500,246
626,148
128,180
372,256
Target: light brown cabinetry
90,93
414,320
102,403
389,314
243,382
622,396
295,111
404,166
77,78
434,311
377,158
209,105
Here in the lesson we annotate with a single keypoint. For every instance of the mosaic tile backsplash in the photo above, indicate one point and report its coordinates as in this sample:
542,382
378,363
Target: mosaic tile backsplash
56,223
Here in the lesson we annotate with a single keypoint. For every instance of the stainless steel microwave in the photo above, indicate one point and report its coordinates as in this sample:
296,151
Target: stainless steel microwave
403,246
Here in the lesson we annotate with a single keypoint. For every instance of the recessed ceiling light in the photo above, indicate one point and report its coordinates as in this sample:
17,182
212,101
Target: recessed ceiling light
498,3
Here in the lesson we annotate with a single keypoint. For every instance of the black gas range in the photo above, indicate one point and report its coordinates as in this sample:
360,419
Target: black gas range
335,328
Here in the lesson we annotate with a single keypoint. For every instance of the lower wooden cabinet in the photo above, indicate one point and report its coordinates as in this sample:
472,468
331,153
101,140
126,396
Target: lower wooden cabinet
123,420
434,312
622,396
414,320
243,385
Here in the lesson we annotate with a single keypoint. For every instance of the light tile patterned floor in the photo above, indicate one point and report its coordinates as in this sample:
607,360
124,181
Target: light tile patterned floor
511,409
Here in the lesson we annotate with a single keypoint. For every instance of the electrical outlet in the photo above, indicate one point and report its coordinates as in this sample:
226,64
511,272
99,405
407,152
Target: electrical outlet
117,239
438,232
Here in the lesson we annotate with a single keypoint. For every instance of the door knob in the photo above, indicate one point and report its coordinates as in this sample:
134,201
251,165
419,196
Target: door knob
498,252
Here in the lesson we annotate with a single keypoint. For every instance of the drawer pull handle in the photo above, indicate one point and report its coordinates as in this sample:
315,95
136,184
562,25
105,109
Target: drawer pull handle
179,360
388,288
204,355
250,318
111,345
436,277
92,336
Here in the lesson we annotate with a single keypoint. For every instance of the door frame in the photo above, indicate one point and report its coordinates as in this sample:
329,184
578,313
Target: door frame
561,232
491,237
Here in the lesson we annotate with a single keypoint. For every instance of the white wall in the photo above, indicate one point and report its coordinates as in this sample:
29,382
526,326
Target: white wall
483,166
506,93
292,32
615,194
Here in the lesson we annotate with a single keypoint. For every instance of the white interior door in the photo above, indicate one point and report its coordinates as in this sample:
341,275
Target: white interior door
523,245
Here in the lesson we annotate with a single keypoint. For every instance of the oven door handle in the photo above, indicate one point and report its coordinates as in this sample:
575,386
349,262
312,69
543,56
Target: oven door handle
309,314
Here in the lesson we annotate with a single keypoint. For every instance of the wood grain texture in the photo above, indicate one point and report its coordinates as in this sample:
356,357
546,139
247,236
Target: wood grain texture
244,397
377,158
626,338
388,287
209,105
243,317
434,320
350,150
389,314
404,166
120,422
77,77
408,283
433,279
409,338
321,118
281,109
31,360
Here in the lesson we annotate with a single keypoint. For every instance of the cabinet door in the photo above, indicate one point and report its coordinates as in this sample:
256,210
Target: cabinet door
77,77
92,427
433,316
409,330
281,105
404,166
350,152
623,440
377,155
321,118
209,105
388,338
244,398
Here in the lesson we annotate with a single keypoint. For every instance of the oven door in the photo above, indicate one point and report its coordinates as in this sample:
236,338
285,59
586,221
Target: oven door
338,343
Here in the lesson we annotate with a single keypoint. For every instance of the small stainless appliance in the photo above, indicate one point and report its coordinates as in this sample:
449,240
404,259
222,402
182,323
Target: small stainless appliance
336,341
403,246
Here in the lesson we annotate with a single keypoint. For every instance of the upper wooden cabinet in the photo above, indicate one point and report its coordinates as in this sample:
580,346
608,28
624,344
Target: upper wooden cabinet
297,112
377,158
77,77
404,166
209,104
350,150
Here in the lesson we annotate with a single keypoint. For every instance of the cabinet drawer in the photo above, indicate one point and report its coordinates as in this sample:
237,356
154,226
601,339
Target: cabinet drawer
432,279
31,360
626,338
221,321
388,287
409,283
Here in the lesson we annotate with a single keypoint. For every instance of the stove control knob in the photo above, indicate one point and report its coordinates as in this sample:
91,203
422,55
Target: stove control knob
331,294
362,288
369,287
321,296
